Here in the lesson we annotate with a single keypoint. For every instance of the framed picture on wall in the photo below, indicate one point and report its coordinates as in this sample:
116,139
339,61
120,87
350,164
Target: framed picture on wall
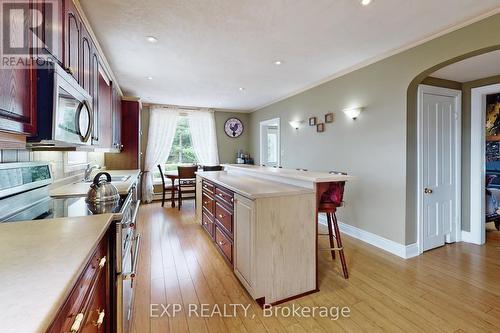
329,117
320,127
312,121
493,117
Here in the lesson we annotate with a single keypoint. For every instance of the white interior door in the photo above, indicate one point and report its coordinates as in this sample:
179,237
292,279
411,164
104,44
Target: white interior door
270,143
440,163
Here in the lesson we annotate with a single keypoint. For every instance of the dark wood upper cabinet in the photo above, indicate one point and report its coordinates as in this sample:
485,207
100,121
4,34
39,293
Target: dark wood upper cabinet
130,156
105,113
117,118
18,95
94,77
49,30
86,48
18,100
72,38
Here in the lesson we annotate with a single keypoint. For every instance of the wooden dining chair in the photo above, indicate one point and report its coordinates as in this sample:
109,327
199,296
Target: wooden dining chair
187,182
330,201
213,168
164,186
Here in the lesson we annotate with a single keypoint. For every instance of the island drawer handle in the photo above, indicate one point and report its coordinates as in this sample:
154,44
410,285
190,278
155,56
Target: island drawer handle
100,319
102,262
221,243
221,216
77,323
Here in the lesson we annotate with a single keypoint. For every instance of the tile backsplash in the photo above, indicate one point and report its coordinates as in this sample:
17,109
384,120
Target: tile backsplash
56,159
12,155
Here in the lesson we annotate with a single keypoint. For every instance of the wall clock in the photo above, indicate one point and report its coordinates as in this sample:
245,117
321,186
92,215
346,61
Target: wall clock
233,127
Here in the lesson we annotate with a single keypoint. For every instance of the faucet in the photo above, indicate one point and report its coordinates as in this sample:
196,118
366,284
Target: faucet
88,171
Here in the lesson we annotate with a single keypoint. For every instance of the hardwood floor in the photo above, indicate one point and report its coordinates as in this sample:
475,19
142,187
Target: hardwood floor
455,288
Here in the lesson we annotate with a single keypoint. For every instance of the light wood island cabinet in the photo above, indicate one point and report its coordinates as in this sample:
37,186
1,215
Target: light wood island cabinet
265,230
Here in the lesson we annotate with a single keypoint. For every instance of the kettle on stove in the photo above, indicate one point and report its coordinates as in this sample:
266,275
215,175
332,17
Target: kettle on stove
102,197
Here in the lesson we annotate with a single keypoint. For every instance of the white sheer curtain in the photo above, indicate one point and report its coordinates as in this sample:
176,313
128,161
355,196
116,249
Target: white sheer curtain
203,136
162,125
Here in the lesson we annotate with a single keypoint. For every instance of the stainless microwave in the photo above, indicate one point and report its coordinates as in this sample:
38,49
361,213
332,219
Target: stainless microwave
64,110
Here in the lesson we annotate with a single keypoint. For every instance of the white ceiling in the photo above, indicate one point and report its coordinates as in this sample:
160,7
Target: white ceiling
475,68
206,50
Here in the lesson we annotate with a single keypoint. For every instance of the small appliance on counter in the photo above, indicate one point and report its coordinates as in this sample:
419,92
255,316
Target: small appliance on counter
243,158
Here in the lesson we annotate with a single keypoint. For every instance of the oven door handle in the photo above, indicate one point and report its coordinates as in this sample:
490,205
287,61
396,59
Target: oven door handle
136,211
132,273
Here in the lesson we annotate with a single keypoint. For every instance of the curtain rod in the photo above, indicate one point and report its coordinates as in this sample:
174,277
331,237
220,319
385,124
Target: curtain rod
168,106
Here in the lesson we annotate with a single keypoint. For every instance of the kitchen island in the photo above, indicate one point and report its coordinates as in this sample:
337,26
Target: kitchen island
263,221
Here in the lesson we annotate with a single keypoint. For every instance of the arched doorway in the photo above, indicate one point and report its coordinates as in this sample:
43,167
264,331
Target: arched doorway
469,138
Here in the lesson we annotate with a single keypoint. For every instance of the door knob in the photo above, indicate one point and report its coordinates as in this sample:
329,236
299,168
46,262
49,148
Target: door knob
427,191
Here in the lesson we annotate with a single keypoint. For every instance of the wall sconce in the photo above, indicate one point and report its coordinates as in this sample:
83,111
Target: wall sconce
353,113
296,123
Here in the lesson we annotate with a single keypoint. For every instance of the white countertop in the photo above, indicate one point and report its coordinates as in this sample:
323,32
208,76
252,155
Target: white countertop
40,261
309,176
252,187
81,188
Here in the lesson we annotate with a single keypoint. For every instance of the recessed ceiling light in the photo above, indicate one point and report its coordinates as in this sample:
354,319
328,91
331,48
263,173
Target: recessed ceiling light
278,62
366,2
151,39
149,77
241,88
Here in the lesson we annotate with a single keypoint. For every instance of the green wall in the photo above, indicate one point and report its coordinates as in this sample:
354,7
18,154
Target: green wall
228,147
379,148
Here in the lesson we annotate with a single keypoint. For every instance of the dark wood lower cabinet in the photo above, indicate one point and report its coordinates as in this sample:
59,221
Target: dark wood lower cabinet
88,306
217,218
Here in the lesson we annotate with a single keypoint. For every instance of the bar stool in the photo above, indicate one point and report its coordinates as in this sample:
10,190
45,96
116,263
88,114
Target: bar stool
329,202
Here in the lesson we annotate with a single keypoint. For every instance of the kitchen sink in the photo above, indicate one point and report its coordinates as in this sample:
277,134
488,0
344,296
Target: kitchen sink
116,179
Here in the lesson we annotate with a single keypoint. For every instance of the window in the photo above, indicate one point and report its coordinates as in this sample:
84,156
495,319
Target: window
182,151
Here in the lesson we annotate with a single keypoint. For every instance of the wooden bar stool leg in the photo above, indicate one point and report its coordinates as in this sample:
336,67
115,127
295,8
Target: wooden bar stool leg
330,234
339,243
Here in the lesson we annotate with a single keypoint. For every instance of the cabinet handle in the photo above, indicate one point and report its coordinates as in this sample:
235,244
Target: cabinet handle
69,70
100,319
205,202
221,216
102,262
77,323
221,243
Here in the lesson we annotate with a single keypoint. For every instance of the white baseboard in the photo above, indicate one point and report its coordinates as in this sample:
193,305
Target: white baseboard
403,251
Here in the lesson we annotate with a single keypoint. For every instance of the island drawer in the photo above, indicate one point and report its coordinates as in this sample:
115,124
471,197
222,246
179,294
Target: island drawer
208,224
224,196
78,298
208,187
208,204
224,217
97,311
224,244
